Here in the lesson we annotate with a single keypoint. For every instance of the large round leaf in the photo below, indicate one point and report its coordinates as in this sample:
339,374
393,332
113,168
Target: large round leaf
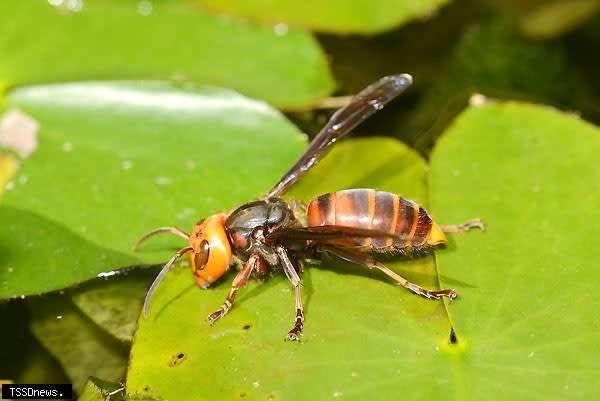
63,41
116,160
527,320
88,350
363,335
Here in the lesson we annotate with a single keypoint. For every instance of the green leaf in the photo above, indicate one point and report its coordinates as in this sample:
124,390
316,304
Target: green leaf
527,315
332,16
88,350
366,336
108,40
114,302
116,160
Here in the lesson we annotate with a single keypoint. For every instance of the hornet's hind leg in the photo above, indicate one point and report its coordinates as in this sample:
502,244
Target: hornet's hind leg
459,228
367,260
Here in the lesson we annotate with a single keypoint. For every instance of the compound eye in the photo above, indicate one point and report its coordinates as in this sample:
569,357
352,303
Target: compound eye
201,258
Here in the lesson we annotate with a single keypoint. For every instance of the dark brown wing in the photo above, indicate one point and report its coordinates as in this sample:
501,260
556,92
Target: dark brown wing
330,233
362,106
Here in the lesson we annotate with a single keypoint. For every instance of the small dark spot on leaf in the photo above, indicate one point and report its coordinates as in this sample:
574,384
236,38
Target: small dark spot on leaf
242,394
146,388
270,397
453,340
177,359
246,326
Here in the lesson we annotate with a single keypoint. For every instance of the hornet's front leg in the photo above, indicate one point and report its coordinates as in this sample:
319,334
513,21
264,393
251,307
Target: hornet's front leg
292,275
254,263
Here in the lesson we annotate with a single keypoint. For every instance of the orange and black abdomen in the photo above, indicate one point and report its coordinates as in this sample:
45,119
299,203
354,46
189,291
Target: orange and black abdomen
373,210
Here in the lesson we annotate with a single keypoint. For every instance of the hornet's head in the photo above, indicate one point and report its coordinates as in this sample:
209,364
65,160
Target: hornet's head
210,254
209,249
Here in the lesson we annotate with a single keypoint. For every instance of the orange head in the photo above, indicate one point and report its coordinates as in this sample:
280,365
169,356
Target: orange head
209,249
211,253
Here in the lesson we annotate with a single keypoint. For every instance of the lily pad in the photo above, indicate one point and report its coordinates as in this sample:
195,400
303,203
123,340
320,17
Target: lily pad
114,302
527,320
362,333
88,351
526,309
65,41
115,160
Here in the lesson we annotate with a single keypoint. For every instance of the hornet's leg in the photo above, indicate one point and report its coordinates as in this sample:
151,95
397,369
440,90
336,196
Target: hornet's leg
239,281
292,275
363,259
459,228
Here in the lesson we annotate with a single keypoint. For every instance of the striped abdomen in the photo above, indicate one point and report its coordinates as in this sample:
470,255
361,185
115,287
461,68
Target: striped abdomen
378,211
